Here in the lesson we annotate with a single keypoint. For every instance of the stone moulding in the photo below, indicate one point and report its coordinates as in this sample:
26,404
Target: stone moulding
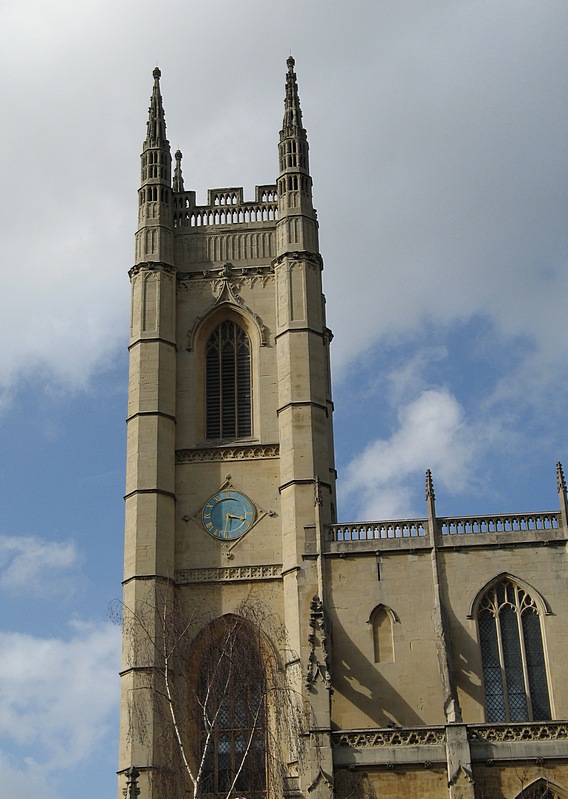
507,733
240,453
492,733
227,288
228,573
364,739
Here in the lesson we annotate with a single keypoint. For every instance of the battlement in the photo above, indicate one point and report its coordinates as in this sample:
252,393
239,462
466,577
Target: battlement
226,206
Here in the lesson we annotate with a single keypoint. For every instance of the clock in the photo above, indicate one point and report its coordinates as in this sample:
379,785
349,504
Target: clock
228,515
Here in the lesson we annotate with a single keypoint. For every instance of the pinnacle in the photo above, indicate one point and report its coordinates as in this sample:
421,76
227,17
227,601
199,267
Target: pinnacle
292,111
156,131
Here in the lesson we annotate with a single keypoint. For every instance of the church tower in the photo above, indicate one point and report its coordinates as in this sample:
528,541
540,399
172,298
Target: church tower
230,469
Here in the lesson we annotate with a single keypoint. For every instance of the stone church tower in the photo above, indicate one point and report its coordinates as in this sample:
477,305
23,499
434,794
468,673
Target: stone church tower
230,463
270,651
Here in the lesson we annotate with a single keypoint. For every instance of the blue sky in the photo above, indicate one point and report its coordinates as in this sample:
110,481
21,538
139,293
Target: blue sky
438,135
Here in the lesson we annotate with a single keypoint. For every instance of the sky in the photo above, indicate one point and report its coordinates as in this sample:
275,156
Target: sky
438,135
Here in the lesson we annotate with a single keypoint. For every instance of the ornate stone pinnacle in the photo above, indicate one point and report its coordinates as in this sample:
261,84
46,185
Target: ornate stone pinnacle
429,486
560,481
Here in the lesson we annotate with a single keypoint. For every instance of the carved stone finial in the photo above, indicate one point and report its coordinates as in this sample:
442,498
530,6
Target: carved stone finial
560,481
227,270
177,184
429,486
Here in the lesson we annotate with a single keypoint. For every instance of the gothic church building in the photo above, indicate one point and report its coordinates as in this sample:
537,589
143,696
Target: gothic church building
270,651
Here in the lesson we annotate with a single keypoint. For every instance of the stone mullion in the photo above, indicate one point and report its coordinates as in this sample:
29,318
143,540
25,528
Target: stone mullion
502,664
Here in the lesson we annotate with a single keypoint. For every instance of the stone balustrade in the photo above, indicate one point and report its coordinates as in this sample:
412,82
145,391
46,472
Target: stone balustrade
226,207
501,523
448,527
371,531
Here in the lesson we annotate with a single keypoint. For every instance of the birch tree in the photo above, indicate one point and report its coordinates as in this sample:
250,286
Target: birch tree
229,724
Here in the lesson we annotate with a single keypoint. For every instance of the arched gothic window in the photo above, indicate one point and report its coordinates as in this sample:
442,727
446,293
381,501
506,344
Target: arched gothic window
512,653
232,706
228,382
542,789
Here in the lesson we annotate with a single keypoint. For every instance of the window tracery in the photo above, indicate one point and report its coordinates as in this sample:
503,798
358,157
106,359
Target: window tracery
512,653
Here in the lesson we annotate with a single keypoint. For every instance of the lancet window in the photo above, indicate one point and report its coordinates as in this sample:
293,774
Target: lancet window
512,653
232,698
228,382
541,789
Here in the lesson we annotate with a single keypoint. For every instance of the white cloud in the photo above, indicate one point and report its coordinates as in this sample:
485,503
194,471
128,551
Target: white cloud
438,143
36,565
57,698
22,780
432,434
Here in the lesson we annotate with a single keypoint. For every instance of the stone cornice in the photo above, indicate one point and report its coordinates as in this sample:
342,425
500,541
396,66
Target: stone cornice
298,255
151,266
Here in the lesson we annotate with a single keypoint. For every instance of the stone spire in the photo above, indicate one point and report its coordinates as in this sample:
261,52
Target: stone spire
154,238
292,123
156,155
297,226
293,137
156,133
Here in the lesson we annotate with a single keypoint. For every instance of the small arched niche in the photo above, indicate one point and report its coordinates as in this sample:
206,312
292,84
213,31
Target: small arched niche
382,621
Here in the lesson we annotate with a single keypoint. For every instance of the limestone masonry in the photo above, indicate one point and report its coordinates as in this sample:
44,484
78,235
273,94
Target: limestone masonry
270,651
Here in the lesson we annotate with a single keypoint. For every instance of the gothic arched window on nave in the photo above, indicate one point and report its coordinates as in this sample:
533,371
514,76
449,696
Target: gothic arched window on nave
228,382
512,653
542,789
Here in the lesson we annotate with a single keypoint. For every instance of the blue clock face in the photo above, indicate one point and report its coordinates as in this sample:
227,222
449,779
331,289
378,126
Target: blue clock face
228,515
